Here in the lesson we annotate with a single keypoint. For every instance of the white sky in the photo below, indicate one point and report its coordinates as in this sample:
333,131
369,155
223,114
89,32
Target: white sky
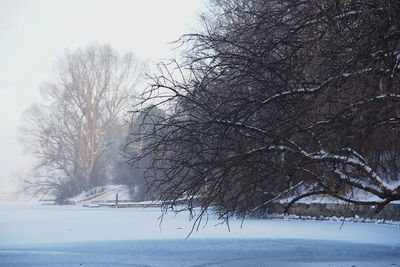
34,32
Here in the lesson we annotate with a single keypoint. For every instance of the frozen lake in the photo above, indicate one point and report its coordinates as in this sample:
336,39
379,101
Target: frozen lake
34,235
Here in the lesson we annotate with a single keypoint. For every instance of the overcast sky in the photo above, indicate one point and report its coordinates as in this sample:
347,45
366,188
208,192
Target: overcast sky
34,32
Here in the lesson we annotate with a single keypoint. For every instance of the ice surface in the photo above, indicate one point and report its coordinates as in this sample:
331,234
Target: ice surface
34,235
204,252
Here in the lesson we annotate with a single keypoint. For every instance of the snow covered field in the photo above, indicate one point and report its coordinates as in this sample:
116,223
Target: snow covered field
34,235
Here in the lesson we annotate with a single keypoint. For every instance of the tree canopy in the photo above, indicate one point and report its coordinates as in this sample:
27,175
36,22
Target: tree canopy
281,100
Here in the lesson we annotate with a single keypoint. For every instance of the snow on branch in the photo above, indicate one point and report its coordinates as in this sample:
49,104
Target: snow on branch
395,66
248,153
353,152
298,90
357,183
242,125
278,196
379,97
330,79
351,160
354,162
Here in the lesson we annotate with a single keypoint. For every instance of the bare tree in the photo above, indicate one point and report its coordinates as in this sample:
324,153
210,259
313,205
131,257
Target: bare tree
282,100
70,132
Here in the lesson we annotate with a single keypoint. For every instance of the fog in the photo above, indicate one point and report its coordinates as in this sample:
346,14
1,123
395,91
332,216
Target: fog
34,32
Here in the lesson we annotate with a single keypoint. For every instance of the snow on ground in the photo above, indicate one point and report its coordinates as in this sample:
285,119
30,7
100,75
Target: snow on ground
103,193
10,193
34,235
357,194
